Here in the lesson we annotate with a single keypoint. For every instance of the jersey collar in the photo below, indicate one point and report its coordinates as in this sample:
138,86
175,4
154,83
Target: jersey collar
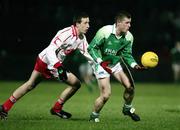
114,29
74,31
114,32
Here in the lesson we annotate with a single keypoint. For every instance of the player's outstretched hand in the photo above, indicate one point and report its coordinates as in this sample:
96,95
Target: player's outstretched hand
62,73
138,67
105,64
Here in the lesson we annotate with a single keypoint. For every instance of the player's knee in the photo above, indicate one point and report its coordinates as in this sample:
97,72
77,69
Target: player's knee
30,85
77,84
130,89
106,96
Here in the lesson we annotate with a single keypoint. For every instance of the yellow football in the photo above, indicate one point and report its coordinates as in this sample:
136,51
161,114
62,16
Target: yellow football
149,59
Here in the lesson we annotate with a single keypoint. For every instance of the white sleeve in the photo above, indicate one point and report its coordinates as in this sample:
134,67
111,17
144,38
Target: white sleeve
83,49
54,46
51,54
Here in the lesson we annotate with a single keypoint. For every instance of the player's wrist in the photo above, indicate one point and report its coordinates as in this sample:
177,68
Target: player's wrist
133,64
99,60
57,65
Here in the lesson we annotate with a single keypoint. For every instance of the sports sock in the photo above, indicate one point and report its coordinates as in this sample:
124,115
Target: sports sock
95,114
9,103
127,106
58,105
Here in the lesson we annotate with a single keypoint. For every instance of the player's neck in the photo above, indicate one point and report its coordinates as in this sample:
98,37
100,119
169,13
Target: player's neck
119,33
79,34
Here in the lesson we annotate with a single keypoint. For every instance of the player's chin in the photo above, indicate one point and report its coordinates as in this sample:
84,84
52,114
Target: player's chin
86,31
126,30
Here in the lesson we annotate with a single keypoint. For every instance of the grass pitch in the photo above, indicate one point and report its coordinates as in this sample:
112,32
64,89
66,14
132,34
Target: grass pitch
157,104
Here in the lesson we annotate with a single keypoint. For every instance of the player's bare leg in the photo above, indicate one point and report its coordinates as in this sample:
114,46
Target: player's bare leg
28,85
128,95
105,92
34,79
74,85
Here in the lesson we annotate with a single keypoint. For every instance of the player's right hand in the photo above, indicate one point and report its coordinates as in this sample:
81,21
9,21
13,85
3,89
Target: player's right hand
62,73
138,67
105,64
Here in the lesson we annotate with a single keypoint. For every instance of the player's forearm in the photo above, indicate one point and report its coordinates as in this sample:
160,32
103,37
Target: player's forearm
95,55
130,60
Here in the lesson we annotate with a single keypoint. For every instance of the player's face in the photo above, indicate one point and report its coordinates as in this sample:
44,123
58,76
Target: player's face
124,25
83,26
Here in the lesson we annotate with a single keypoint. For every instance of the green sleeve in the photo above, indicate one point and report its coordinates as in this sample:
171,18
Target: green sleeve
127,51
95,45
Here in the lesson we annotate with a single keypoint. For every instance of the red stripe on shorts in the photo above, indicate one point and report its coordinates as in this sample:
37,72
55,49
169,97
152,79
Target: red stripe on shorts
41,67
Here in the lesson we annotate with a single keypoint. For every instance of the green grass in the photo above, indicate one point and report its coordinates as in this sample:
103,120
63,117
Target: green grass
157,104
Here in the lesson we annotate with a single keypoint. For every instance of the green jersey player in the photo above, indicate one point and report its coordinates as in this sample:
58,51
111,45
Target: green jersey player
110,44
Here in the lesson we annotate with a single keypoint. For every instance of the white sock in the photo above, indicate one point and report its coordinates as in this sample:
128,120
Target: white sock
95,113
127,106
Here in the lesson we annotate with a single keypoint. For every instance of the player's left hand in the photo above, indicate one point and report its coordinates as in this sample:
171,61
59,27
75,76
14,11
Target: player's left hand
62,73
138,67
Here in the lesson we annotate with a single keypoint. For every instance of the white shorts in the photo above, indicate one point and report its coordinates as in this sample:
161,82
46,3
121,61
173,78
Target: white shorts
101,73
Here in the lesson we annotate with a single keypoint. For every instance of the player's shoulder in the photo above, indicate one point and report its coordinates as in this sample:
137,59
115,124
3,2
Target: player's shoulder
66,29
67,32
105,30
129,36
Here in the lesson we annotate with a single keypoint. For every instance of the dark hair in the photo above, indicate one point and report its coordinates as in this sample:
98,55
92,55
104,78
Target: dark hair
121,15
77,17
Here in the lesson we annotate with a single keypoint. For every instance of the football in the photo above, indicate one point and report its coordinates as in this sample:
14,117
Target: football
149,59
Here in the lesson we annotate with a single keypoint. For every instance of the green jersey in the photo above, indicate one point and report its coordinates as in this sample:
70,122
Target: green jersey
108,47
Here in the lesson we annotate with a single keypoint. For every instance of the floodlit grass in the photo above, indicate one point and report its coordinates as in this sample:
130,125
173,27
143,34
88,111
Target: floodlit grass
157,104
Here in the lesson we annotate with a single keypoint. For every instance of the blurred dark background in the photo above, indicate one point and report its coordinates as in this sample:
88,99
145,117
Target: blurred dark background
27,27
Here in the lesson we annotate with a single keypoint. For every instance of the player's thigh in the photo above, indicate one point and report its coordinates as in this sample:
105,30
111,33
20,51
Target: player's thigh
99,72
122,78
104,85
72,80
